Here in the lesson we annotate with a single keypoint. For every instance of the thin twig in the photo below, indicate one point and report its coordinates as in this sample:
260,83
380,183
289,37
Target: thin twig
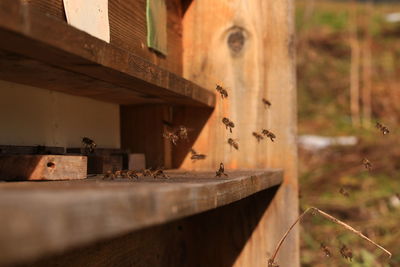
271,261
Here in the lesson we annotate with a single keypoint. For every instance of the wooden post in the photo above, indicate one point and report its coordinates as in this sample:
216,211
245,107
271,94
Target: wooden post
354,68
247,47
367,68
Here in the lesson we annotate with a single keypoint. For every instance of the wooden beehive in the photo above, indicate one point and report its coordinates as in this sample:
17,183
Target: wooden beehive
193,218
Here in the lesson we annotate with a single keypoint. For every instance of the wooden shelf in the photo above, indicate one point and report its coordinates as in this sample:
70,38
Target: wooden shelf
42,51
39,218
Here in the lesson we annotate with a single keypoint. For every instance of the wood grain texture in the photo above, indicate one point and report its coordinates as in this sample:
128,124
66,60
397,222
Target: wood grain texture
30,34
128,28
248,47
42,167
212,239
51,217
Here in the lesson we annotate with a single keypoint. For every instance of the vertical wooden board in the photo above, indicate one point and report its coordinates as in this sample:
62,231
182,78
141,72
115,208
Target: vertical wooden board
142,132
248,48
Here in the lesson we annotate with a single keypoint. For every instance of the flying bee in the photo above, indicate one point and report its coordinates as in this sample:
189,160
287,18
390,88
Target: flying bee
159,173
222,91
88,144
195,156
221,171
171,137
258,136
382,128
326,250
346,253
269,134
182,132
228,124
233,143
367,164
266,103
344,192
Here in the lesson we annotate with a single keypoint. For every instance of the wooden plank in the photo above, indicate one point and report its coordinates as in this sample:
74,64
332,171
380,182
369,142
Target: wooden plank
26,32
213,239
33,150
50,217
249,49
42,167
128,28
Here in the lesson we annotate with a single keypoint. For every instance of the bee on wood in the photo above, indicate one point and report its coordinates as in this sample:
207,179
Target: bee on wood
228,124
118,174
233,143
269,134
171,137
88,144
221,171
222,91
367,164
258,136
344,192
346,253
382,128
109,175
266,103
195,156
159,173
147,172
129,174
326,250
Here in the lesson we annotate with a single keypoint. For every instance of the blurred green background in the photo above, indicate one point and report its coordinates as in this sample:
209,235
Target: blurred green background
338,41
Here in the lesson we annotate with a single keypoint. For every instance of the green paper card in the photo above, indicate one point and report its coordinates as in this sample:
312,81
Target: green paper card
156,13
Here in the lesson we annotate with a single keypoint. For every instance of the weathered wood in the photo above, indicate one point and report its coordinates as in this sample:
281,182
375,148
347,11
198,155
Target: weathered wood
248,47
42,167
213,239
128,28
102,160
31,150
27,38
51,217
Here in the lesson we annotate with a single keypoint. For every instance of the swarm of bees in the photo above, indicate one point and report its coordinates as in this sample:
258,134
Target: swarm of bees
233,143
326,250
175,133
129,174
346,252
221,171
228,124
266,103
269,134
132,174
222,91
88,144
258,136
382,128
196,156
367,164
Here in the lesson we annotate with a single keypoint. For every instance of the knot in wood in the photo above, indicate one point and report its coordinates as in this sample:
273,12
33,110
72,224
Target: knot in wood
236,40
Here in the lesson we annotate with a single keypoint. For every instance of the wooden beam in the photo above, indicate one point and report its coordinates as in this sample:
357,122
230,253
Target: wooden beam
42,167
26,36
212,239
51,217
248,48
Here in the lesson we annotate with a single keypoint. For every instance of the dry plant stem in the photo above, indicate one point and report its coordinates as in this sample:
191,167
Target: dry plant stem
332,219
348,227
